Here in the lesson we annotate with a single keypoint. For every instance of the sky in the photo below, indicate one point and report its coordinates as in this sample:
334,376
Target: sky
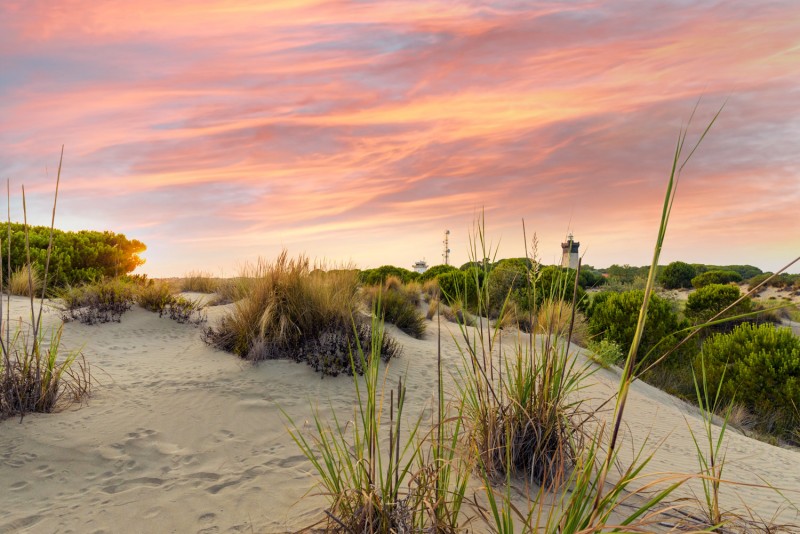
357,132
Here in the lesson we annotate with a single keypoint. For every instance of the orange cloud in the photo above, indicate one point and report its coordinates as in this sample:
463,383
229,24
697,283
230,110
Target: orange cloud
361,130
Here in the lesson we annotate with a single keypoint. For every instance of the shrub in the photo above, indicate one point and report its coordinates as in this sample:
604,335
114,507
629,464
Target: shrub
590,278
715,277
613,316
605,352
550,283
677,275
158,297
20,283
398,305
294,313
709,300
372,277
98,302
185,310
199,282
435,271
461,286
75,257
504,281
758,367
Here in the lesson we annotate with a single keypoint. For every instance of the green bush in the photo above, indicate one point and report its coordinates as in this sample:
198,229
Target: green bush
613,316
99,302
506,280
551,283
715,277
372,277
605,352
590,278
461,287
77,257
709,300
759,367
398,305
435,271
626,274
677,275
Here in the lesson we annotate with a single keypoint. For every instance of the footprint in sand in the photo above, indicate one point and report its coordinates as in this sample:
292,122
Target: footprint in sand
18,486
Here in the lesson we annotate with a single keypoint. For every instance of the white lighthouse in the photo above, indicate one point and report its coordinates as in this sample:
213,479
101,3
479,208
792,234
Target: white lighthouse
569,253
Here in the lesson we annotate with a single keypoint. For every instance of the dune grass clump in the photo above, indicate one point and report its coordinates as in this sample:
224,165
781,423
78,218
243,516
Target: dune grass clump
292,312
384,478
25,281
199,282
157,297
231,290
558,317
98,302
36,377
35,374
398,305
154,296
520,416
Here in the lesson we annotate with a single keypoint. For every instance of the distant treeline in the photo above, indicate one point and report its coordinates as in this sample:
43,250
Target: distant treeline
675,275
76,256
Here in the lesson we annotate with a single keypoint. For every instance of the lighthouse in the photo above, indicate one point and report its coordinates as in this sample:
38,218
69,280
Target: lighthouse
569,253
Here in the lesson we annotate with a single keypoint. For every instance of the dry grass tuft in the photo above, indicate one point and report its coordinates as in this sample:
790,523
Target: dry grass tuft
295,313
199,282
23,280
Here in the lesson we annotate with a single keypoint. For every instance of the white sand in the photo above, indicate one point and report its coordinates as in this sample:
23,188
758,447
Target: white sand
179,437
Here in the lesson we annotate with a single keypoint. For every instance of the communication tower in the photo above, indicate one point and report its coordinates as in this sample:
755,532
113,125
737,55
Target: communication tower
446,243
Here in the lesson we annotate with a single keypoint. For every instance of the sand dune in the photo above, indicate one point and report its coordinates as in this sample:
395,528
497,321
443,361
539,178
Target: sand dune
179,437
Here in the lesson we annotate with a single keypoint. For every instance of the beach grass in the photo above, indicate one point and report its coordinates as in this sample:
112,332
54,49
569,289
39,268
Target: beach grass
199,282
294,310
37,373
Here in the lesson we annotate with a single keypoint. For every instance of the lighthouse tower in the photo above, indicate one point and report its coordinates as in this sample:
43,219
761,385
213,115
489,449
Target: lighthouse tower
569,255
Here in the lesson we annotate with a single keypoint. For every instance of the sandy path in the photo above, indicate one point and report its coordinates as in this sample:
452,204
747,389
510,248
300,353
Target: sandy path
182,438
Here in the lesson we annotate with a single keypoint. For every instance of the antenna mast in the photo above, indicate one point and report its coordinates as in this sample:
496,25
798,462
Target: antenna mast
446,243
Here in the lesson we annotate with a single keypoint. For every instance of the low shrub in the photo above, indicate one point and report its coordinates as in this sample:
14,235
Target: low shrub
462,287
758,367
613,316
98,302
158,297
715,277
605,352
185,310
709,300
378,276
398,305
294,313
434,272
677,275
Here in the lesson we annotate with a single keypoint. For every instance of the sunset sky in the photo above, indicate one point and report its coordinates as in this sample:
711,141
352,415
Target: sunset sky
357,131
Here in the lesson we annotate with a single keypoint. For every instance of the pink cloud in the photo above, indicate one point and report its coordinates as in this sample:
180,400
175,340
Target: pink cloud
364,129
